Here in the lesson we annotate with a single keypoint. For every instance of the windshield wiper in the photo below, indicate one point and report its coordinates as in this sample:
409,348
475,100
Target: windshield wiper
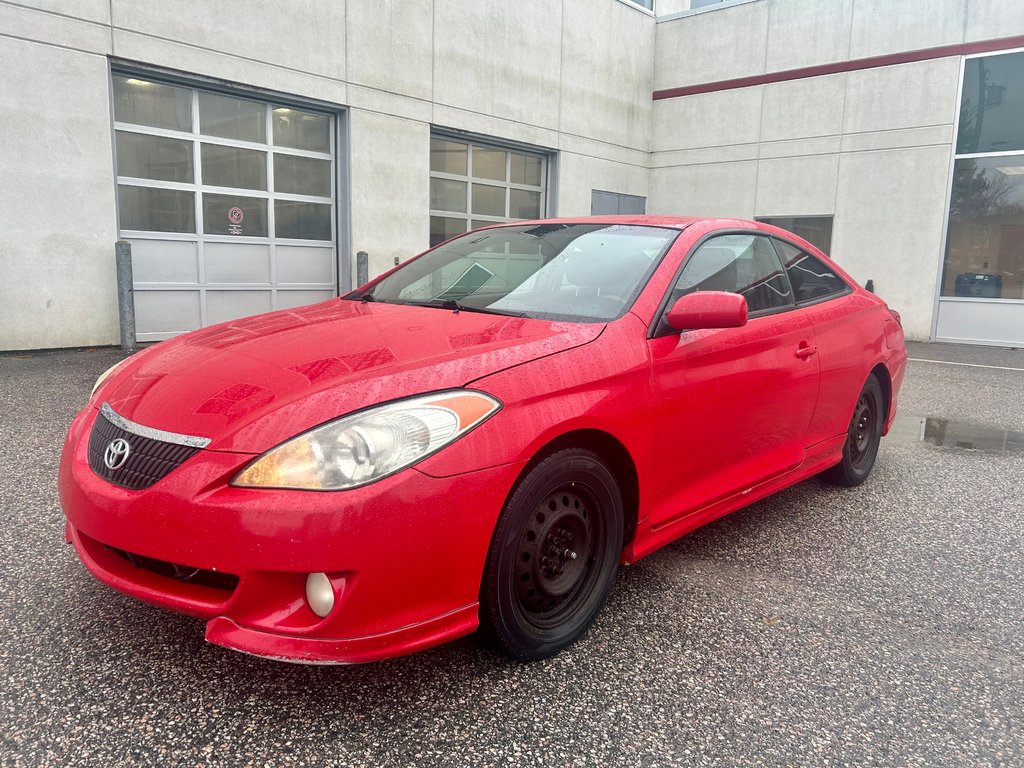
456,307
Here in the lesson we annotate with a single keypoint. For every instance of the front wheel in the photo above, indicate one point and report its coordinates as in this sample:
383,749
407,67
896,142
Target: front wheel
554,555
862,438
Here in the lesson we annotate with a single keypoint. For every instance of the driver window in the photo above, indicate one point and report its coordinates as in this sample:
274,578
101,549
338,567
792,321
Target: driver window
743,264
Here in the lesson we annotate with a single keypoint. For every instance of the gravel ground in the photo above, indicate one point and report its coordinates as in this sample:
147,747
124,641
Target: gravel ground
874,626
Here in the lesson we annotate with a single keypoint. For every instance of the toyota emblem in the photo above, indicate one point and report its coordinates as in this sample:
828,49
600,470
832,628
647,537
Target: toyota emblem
116,453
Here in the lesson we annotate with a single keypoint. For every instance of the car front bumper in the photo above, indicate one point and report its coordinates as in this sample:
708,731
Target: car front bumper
405,555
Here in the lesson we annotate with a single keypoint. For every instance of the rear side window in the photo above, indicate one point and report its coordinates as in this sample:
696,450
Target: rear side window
743,264
810,277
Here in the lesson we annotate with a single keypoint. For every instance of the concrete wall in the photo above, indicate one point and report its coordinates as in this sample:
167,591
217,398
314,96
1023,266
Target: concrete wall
571,76
871,147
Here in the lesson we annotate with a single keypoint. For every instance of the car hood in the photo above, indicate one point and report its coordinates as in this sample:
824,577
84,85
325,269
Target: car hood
251,383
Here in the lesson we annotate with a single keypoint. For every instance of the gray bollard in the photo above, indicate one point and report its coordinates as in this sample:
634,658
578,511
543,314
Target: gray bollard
125,294
362,268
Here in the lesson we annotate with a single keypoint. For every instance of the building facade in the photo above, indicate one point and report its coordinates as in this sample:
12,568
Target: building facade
249,150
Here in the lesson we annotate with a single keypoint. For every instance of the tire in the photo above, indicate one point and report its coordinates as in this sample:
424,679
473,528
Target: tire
553,556
862,438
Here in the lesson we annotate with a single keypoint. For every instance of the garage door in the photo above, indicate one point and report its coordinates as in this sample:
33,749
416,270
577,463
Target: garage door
229,204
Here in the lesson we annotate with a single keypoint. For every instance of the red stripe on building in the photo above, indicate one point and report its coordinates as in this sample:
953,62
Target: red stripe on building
871,62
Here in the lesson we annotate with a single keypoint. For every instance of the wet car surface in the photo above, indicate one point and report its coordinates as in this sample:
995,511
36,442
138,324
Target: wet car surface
876,626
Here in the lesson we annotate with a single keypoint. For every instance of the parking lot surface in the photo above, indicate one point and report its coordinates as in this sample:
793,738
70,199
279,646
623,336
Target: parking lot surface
882,625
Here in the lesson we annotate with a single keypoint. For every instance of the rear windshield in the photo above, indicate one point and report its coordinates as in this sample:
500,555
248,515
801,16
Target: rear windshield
573,272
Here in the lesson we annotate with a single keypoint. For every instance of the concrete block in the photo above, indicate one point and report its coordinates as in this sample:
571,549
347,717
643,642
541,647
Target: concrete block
989,19
720,189
808,107
890,206
57,247
390,46
50,28
883,26
806,34
921,93
578,175
797,186
708,119
723,44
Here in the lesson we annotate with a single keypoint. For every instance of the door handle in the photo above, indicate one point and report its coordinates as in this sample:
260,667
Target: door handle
805,352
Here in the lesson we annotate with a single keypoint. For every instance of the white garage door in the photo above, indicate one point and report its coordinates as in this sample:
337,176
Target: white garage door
229,204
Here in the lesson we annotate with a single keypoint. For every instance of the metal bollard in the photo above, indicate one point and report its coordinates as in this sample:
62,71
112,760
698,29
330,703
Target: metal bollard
125,294
362,268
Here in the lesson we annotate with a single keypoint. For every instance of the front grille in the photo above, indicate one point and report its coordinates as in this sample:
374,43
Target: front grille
149,458
183,573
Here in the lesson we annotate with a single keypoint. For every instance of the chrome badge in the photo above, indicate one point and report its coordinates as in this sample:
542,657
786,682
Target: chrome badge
116,453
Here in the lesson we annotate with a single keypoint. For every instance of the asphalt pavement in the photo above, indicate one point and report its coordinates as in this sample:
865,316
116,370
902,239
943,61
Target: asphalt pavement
882,625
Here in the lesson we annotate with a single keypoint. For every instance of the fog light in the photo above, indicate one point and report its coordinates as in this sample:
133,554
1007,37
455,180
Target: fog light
320,594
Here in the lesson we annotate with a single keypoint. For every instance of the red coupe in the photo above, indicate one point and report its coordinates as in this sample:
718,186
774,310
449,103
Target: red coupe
478,437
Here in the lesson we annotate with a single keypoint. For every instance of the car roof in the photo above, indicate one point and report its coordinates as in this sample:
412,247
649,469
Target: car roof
675,222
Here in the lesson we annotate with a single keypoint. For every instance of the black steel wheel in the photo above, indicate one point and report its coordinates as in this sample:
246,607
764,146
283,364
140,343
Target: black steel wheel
862,437
554,555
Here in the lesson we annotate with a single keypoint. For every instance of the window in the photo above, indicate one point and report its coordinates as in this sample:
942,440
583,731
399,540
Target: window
473,185
614,203
648,4
743,264
984,256
809,277
228,202
574,272
816,230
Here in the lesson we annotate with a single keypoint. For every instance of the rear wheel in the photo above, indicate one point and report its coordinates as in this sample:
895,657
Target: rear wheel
862,438
554,555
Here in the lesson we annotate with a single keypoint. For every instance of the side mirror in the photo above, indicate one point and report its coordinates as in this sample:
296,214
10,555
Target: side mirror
708,309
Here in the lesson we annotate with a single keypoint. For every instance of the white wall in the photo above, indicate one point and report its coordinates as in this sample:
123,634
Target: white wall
870,147
571,76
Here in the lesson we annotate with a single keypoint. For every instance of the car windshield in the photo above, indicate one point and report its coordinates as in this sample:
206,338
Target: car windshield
574,272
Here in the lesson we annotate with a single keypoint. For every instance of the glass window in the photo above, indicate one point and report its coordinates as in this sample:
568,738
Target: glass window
153,157
144,103
233,167
489,163
448,195
743,264
298,175
449,157
488,200
234,215
816,230
576,272
301,130
992,105
615,203
156,210
232,118
808,275
302,221
526,169
523,204
985,241
442,228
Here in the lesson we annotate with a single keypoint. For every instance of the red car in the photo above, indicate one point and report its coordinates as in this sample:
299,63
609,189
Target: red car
479,437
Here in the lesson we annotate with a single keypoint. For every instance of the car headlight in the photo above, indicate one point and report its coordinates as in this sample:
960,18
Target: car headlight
366,446
103,376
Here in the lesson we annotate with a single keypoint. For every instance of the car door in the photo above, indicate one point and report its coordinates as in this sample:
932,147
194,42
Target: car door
734,403
831,307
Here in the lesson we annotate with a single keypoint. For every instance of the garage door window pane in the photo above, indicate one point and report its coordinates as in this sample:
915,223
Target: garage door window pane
442,228
526,170
449,157
234,215
447,195
156,210
488,163
232,118
233,167
524,204
145,103
301,130
302,175
153,157
488,200
302,221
